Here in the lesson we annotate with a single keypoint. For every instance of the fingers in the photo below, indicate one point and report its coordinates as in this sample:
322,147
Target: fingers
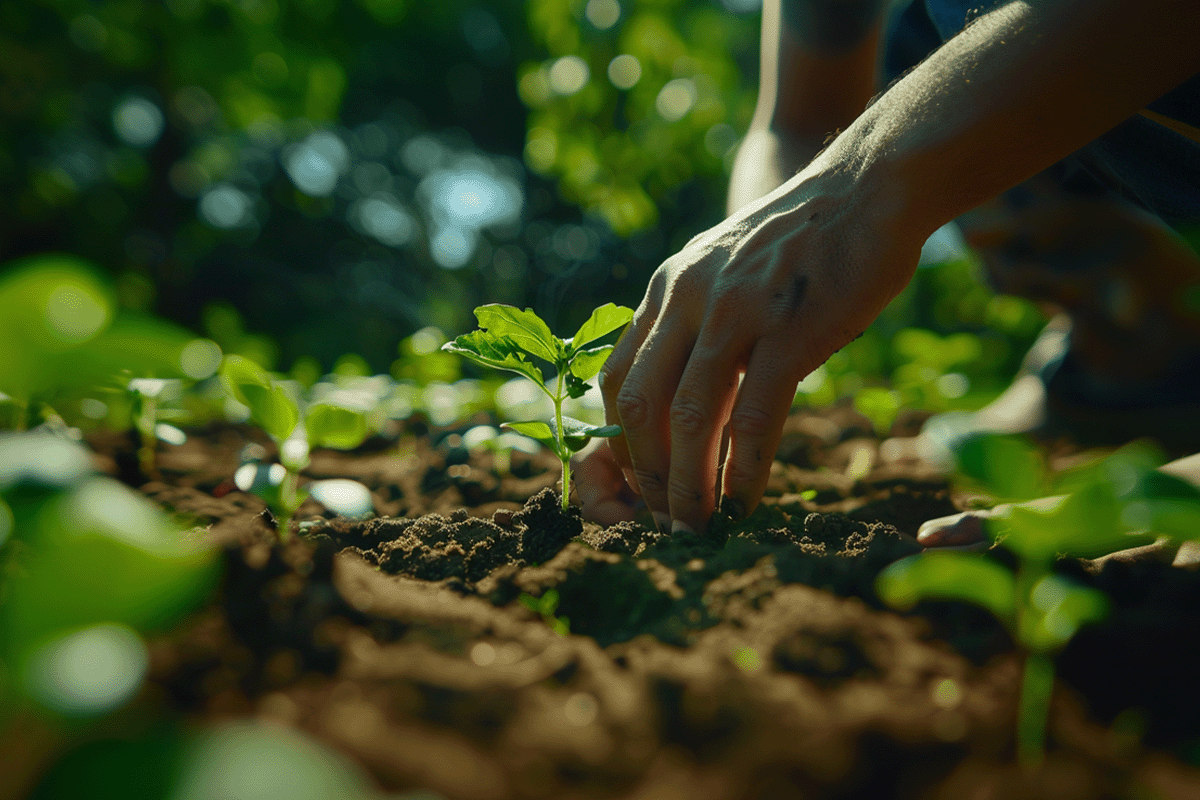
600,487
620,361
643,403
697,418
963,530
756,424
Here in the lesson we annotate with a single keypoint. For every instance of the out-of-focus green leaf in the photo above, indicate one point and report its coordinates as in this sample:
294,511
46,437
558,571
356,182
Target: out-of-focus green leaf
878,405
968,577
99,553
1008,467
1057,608
335,426
270,406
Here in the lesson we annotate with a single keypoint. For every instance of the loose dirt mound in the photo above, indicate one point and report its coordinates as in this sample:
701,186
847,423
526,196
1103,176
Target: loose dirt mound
752,663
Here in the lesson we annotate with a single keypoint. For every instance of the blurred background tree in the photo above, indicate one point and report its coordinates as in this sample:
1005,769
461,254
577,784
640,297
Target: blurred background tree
304,180
321,177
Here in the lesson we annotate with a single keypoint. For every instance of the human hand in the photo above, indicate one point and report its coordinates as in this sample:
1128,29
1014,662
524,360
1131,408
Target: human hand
730,325
604,496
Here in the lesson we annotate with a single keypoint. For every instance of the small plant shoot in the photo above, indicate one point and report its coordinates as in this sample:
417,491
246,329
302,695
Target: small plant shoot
509,338
273,409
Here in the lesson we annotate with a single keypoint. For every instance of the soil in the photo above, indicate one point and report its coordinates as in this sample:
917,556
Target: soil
755,662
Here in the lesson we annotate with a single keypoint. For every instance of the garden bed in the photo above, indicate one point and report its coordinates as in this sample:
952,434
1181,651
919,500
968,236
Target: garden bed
427,643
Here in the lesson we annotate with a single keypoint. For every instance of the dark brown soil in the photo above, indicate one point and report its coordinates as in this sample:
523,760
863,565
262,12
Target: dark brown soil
753,663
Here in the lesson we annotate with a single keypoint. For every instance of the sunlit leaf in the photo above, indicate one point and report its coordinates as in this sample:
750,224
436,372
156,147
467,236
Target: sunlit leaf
237,372
525,328
539,431
604,320
586,364
500,352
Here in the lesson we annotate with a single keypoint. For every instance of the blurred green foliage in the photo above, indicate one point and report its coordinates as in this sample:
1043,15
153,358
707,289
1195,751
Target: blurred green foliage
302,181
306,171
1106,504
634,99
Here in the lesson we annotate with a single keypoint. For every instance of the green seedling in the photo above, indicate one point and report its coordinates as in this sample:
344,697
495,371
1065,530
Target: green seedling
509,337
545,606
1112,504
274,410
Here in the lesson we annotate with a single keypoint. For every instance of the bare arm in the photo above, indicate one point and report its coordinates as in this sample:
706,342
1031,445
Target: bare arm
1021,88
817,73
790,278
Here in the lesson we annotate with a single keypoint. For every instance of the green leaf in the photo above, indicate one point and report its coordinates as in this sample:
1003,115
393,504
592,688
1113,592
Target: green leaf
604,320
524,327
237,372
573,427
1057,608
272,410
1086,524
969,577
576,434
539,431
500,352
586,364
1008,467
575,387
335,426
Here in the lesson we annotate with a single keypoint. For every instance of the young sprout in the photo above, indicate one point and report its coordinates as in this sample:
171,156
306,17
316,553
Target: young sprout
1112,504
509,337
274,410
545,606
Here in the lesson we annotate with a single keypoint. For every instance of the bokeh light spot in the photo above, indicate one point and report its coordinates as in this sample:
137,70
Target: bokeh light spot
138,122
385,220
88,671
676,99
315,164
624,71
452,247
200,358
225,206
568,75
74,314
343,496
603,13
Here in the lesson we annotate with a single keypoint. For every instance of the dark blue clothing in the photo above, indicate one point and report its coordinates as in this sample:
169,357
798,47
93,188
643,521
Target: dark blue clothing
1147,158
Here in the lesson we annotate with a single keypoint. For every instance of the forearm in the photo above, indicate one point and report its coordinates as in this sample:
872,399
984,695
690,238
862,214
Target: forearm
818,71
1018,90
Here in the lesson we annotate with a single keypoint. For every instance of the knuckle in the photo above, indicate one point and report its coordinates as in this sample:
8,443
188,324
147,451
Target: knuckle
632,407
688,417
649,481
683,496
750,423
609,380
740,473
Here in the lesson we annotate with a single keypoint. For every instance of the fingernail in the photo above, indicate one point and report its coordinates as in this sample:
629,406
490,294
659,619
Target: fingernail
663,521
733,508
679,526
